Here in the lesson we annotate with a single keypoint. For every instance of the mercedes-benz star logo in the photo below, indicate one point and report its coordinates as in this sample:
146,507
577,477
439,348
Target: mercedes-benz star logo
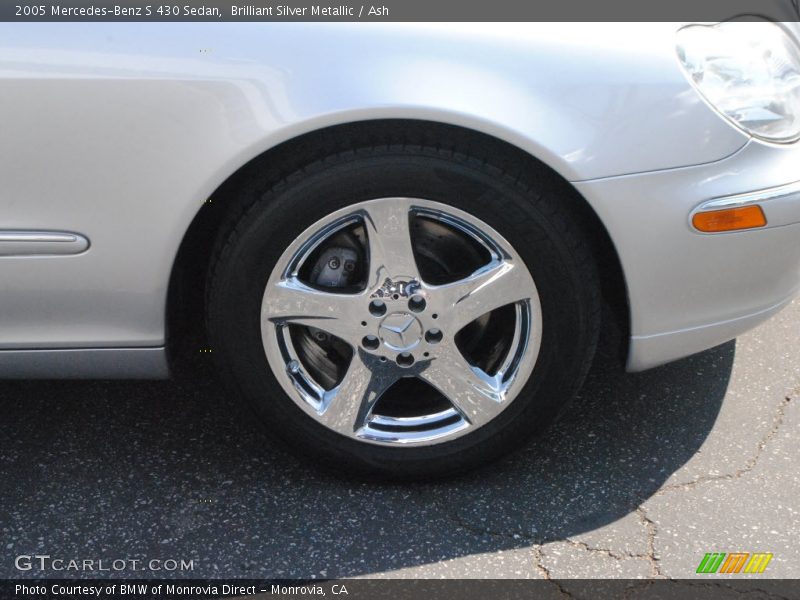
401,331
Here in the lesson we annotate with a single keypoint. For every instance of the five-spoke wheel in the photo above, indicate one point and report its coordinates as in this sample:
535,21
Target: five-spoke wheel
400,309
397,324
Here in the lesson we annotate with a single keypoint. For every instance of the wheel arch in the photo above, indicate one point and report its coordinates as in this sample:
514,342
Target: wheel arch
185,334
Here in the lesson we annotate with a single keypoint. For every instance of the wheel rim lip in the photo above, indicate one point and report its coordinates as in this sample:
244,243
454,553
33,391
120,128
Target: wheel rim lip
280,352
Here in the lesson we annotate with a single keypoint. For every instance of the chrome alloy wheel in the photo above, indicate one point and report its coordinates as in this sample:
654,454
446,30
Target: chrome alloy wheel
401,321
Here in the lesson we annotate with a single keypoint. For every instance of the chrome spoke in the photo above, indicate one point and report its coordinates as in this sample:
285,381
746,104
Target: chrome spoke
347,406
391,254
292,302
497,284
473,393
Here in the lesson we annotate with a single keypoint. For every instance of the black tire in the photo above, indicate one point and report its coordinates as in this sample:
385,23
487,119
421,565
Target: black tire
534,211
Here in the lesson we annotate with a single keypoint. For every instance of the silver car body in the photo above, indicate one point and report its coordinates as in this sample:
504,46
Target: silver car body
114,135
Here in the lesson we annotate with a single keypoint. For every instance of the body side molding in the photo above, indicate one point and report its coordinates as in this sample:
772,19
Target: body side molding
41,243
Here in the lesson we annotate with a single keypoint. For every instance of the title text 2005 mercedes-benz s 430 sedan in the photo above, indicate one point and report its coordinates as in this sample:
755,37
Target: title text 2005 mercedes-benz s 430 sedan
401,236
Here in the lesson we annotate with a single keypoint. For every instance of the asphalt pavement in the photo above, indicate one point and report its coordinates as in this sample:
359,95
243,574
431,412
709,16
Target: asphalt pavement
644,475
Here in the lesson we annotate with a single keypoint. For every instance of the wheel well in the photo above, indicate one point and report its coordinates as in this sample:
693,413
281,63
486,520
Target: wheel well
186,296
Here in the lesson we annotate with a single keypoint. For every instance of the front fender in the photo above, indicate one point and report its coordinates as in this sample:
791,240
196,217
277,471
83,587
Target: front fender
121,131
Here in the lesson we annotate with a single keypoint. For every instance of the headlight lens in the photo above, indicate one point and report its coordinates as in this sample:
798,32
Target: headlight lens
748,71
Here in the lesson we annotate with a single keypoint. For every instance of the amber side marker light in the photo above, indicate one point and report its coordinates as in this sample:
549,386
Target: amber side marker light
729,219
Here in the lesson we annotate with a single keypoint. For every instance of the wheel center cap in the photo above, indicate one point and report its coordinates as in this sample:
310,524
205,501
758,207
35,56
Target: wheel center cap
400,331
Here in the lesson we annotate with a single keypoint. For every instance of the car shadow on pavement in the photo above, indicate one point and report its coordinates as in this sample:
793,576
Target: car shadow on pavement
177,469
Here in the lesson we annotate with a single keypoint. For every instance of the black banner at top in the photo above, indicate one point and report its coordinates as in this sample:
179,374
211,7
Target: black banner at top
396,10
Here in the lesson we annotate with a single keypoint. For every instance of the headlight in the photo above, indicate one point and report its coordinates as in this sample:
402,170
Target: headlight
749,72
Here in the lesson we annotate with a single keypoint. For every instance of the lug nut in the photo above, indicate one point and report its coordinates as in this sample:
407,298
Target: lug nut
405,359
416,303
370,342
334,263
433,336
377,308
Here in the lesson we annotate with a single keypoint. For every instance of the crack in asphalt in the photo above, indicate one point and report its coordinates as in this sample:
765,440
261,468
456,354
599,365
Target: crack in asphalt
536,544
749,465
649,525
651,531
650,528
545,572
537,562
455,518
606,551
